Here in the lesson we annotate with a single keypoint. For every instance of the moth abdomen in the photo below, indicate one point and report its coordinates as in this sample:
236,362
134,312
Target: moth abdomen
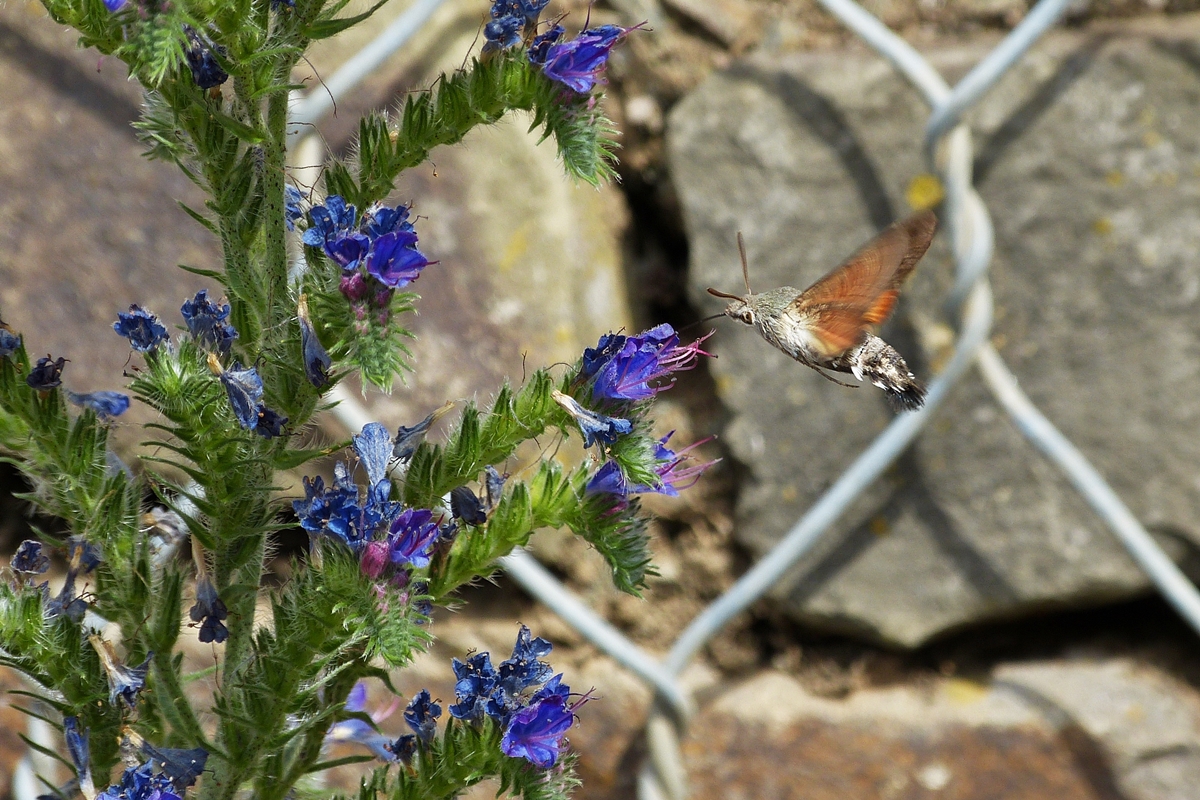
877,361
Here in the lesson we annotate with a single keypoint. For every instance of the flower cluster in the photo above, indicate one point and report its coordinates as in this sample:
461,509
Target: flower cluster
521,697
578,63
528,704
512,22
392,542
377,253
208,324
620,370
671,470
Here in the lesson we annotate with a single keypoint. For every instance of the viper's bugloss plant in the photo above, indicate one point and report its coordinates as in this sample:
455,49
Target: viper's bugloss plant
177,538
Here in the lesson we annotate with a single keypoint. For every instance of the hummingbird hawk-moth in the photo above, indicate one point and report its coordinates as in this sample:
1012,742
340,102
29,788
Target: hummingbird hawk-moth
828,325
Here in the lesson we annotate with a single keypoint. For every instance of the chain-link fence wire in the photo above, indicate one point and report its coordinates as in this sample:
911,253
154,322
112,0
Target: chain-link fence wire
948,149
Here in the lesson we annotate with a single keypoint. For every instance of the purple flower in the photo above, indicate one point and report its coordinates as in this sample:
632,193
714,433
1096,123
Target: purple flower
30,558
292,211
105,404
578,63
535,732
394,259
422,714
46,374
673,475
411,538
627,372
124,682
9,341
141,328
209,611
201,55
608,480
374,559
205,320
596,427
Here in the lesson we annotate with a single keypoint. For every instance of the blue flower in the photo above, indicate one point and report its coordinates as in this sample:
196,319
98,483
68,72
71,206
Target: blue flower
46,374
124,682
349,250
270,422
245,390
77,749
29,558
535,732
82,558
541,44
181,767
394,259
201,55
594,358
143,330
422,714
359,731
627,372
519,672
339,512
331,221
209,611
9,341
114,5
596,427
532,10
411,538
578,63
409,439
316,359
292,198
140,783
673,475
380,220
465,505
205,320
403,749
105,404
502,33
374,448
475,681
494,484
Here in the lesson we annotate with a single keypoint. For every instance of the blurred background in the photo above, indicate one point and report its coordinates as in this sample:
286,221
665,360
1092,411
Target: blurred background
969,629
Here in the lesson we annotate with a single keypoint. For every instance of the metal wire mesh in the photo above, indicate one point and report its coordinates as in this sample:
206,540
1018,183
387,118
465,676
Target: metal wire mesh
947,146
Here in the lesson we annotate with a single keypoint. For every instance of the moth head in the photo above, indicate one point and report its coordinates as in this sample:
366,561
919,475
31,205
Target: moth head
739,308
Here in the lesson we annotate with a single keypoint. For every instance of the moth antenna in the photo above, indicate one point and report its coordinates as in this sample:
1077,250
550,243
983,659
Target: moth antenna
745,263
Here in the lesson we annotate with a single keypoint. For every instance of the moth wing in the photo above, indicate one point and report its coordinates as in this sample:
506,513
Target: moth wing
863,290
